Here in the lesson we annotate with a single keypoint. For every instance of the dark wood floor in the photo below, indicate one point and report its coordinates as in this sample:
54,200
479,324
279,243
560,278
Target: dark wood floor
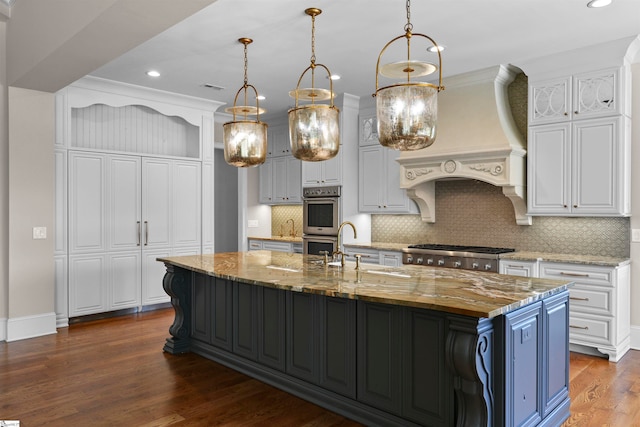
113,372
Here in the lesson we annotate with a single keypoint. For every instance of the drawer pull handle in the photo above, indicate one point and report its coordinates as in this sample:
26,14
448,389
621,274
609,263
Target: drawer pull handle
562,273
579,327
521,267
579,299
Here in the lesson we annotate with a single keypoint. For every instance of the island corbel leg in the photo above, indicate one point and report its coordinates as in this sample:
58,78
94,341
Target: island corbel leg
469,356
177,284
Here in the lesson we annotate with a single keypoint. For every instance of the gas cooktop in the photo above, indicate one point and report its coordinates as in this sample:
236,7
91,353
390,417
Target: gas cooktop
454,256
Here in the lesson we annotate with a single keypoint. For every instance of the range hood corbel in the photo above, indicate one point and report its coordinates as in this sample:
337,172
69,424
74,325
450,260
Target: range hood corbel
477,139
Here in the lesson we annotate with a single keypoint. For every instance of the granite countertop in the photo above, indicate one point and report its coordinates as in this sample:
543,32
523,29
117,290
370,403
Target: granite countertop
470,293
297,239
567,258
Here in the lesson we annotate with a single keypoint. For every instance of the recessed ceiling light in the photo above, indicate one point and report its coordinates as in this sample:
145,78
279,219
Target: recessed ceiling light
435,48
153,73
599,3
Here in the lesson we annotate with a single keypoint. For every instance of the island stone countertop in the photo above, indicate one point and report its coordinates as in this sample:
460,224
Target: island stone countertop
470,293
566,258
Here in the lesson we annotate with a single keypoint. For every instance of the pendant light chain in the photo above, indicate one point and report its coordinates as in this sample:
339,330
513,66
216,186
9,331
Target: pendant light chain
409,27
246,79
313,41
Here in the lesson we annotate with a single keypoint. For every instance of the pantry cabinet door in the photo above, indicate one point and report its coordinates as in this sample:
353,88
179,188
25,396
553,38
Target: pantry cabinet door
187,217
88,223
125,231
156,203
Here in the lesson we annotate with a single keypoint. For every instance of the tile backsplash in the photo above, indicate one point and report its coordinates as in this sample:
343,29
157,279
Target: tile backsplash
279,217
470,212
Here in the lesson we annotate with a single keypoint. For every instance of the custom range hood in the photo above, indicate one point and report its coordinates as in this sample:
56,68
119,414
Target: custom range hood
476,139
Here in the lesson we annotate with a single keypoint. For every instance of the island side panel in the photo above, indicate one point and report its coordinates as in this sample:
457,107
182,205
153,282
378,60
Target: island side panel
177,284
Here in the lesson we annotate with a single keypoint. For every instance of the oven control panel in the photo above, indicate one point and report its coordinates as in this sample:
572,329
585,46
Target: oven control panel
331,191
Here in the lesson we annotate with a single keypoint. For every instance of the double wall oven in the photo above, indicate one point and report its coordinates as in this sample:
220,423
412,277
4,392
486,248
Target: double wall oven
321,219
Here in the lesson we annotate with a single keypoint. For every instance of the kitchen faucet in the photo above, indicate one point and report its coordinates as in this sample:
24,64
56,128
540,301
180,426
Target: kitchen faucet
339,251
293,228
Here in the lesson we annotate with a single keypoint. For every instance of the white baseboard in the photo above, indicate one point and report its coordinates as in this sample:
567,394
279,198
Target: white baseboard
3,329
635,337
20,328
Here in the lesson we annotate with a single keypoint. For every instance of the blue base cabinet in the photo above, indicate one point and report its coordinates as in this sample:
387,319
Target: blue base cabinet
377,363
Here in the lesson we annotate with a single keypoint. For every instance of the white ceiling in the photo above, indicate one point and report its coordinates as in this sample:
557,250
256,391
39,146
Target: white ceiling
203,49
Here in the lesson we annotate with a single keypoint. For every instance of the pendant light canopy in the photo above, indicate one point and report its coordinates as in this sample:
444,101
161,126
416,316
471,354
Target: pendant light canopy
407,111
314,128
245,140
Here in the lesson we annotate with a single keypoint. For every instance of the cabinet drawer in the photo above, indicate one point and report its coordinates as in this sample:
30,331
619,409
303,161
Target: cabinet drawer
601,276
276,246
584,299
594,330
255,245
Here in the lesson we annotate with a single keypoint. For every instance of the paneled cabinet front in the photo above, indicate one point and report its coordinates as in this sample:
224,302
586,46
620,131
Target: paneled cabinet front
280,181
379,182
579,169
124,212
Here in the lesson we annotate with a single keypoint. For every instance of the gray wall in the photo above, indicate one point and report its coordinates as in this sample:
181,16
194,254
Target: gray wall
226,204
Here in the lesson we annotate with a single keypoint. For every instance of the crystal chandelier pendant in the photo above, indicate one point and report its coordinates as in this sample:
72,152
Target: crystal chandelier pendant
245,140
407,111
314,130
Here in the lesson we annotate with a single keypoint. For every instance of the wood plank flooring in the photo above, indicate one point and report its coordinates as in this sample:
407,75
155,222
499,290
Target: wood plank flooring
113,372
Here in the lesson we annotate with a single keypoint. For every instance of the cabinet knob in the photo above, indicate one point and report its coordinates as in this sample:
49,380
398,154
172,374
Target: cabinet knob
575,206
566,114
575,112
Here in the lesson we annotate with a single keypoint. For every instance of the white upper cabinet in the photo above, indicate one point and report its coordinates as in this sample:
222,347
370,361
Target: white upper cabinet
580,168
379,174
581,96
280,174
326,172
579,145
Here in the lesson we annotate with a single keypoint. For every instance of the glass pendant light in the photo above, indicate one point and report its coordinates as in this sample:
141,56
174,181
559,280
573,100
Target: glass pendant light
245,140
314,128
407,111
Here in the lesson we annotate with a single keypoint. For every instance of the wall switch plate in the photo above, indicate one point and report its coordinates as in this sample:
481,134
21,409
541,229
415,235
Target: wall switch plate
635,235
252,223
39,232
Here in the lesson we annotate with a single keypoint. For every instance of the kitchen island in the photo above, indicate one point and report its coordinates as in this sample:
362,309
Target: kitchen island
383,346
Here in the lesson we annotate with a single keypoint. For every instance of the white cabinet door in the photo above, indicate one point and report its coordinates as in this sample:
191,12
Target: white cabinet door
125,228
370,179
549,169
152,274
88,222
319,174
156,203
550,101
597,94
391,259
519,268
88,284
186,200
379,182
397,200
124,280
265,172
280,179
596,160
294,180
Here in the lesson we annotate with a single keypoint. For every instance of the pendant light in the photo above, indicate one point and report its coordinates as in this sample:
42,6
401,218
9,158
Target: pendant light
314,128
245,140
407,111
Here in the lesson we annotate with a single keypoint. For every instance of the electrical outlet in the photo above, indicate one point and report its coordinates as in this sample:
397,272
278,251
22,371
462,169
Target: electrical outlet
39,232
635,235
252,223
